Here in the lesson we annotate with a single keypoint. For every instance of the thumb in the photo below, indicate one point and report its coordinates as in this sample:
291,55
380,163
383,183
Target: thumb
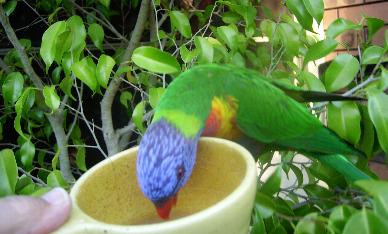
25,214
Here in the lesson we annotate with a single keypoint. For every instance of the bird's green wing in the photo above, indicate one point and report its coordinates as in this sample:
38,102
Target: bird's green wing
267,114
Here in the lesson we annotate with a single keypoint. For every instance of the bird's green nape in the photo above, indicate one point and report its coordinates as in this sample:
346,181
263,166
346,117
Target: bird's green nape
189,125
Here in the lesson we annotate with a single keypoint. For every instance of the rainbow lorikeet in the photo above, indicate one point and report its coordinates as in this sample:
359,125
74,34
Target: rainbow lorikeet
233,103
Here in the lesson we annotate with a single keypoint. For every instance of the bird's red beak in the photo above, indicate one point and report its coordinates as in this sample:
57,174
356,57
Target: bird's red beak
164,209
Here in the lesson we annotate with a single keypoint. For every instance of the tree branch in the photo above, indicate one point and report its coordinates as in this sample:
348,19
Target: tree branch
56,119
110,136
4,66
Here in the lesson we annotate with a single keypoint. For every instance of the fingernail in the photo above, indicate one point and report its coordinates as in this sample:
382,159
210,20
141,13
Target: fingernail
56,196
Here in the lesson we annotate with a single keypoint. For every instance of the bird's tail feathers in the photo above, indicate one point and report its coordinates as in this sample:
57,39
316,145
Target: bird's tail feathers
342,165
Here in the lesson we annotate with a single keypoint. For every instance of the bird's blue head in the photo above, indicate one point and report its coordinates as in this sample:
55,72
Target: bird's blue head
165,161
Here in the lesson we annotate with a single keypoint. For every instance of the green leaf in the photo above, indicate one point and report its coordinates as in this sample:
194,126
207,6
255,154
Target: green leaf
80,158
316,191
96,33
104,69
258,224
265,157
105,3
205,48
310,224
180,21
29,102
228,35
311,81
10,7
56,179
272,184
341,71
63,44
27,154
77,27
344,118
367,140
290,38
12,87
154,95
315,8
187,55
66,85
386,39
137,115
155,60
383,83
56,74
24,186
265,205
122,69
365,222
298,173
372,55
40,191
19,106
248,12
85,70
66,63
125,97
379,191
378,113
8,172
55,159
51,98
230,17
339,216
48,49
268,27
327,174
278,229
283,206
374,25
238,60
301,13
320,50
380,205
340,26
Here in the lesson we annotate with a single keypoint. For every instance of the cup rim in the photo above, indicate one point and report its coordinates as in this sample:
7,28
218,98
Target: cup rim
239,191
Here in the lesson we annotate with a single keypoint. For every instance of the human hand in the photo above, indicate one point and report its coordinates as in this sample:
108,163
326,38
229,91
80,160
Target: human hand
26,214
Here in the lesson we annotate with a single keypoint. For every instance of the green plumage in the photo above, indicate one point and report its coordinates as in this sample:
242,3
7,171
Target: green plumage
265,112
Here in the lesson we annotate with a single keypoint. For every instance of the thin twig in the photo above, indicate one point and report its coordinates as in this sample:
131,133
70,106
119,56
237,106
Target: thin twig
106,23
131,126
89,126
36,179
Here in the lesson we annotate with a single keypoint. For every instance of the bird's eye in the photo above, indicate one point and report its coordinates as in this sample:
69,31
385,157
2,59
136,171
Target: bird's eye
180,172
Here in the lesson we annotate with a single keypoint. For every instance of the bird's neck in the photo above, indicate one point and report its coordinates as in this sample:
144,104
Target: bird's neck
189,125
221,121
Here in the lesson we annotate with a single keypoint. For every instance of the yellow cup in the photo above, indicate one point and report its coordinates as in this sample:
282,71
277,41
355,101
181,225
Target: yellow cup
218,198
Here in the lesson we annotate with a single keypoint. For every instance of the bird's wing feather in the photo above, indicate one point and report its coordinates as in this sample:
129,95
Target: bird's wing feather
267,114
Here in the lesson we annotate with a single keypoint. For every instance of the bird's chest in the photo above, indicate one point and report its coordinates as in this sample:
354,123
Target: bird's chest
221,121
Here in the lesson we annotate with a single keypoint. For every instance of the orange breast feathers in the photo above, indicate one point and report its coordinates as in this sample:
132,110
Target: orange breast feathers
222,119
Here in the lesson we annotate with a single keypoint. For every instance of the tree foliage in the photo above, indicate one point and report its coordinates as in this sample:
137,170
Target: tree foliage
85,54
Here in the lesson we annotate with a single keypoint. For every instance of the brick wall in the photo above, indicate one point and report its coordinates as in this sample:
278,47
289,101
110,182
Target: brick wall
354,10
